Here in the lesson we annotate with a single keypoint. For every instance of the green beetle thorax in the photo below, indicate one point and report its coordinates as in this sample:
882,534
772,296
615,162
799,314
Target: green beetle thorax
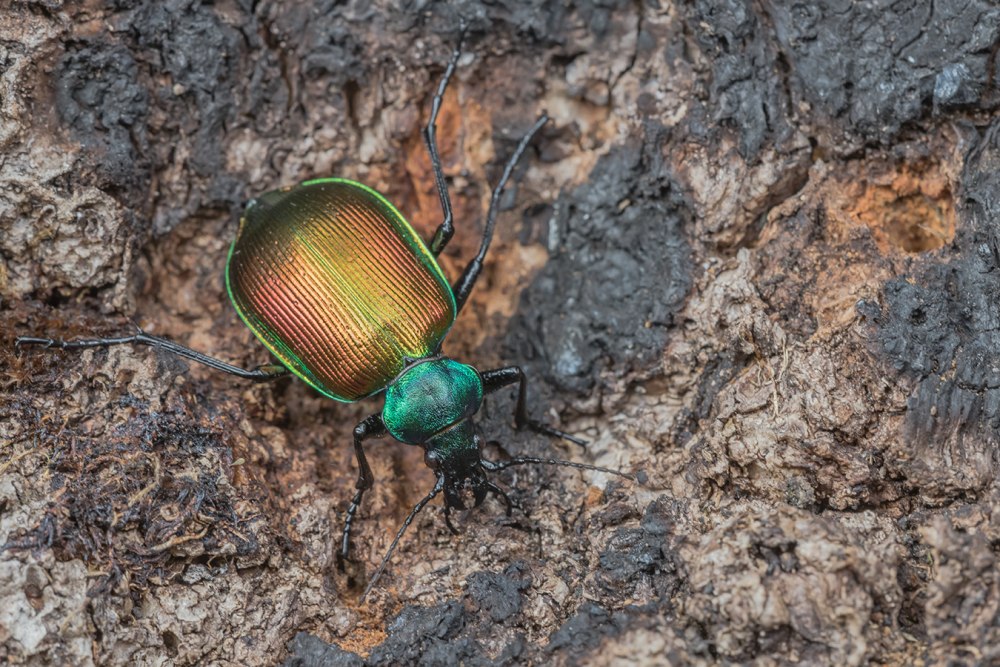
429,397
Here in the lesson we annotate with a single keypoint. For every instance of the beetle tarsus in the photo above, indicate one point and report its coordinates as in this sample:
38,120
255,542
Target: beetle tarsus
545,429
24,341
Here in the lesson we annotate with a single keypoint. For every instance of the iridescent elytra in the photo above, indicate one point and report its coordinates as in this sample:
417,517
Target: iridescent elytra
347,296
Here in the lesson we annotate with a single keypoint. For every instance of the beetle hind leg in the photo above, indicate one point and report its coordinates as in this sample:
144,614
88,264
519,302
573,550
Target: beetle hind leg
260,373
447,228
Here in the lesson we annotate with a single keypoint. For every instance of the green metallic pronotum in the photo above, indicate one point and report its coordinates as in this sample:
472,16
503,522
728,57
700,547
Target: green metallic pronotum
338,286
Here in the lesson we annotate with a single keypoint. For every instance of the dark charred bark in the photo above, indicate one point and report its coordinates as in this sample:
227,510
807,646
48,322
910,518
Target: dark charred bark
755,255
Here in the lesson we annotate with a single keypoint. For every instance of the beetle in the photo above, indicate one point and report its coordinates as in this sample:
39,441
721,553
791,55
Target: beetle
334,281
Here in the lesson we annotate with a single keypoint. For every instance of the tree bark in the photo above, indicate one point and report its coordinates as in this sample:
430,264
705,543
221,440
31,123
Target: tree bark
754,258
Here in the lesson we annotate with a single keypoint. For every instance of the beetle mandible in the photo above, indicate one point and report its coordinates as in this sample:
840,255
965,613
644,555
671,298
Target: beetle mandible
333,280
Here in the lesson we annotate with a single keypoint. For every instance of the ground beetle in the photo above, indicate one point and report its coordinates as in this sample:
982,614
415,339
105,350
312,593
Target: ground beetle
342,290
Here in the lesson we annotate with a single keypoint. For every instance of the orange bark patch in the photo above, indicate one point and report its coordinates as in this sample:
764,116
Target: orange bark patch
595,497
362,640
912,211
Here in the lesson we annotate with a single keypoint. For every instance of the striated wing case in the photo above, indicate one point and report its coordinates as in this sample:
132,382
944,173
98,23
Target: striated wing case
335,282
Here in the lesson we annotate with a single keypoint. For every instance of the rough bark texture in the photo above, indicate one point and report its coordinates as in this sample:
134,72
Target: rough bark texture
756,255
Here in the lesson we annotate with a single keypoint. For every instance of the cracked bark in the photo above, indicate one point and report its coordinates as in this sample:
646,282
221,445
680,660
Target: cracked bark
747,258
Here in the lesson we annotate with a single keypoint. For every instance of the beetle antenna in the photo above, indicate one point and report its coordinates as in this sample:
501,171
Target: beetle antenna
406,524
494,466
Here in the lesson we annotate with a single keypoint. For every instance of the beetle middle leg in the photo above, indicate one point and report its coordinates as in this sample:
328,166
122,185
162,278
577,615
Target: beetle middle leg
371,427
446,230
503,377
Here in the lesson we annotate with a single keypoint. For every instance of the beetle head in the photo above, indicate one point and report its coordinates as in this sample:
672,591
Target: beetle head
455,456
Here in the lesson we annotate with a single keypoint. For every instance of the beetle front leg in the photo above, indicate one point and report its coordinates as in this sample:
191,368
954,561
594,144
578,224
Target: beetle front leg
503,377
371,427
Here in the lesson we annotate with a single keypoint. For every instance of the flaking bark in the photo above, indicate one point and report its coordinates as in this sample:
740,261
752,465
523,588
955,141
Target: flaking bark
748,257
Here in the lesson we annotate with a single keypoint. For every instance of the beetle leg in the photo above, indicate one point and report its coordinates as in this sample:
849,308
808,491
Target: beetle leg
447,520
261,373
502,377
463,286
503,496
371,427
446,229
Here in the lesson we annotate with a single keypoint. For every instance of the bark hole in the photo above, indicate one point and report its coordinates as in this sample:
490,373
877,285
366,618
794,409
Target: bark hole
913,212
